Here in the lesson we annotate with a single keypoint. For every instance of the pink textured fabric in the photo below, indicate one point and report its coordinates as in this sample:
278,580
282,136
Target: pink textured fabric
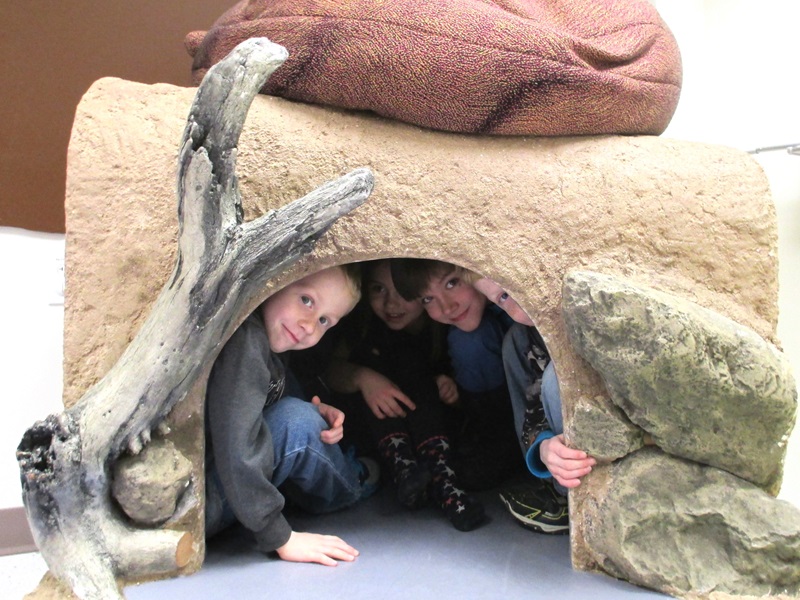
534,67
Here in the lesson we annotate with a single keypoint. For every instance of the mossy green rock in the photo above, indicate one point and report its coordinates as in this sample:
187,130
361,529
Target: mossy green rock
712,532
603,430
704,387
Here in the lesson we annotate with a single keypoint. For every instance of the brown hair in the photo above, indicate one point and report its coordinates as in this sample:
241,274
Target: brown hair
412,275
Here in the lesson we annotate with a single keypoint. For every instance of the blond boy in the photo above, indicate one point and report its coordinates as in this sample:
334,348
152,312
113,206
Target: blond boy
260,437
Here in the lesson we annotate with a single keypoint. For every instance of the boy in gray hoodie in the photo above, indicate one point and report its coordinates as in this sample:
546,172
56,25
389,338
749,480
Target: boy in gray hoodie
260,438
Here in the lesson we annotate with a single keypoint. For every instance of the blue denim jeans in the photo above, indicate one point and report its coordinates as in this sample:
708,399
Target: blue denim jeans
317,476
551,399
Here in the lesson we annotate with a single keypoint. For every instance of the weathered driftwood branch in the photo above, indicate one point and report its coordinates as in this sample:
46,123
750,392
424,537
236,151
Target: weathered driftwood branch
222,264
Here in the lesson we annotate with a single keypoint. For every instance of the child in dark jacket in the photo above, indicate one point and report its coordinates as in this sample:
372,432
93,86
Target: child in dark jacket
487,446
405,390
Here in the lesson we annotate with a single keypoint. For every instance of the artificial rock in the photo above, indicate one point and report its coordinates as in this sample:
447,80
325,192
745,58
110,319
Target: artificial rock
690,219
712,532
703,386
148,486
602,429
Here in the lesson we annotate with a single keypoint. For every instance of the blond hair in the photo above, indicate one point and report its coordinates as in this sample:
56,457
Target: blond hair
352,274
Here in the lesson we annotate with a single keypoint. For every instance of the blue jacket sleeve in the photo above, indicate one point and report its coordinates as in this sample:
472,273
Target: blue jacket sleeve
534,460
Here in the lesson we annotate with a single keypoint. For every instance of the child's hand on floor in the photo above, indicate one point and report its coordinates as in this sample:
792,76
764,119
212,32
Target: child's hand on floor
448,390
566,464
316,548
334,418
382,396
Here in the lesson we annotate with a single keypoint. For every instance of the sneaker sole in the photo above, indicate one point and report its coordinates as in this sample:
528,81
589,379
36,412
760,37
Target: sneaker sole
536,526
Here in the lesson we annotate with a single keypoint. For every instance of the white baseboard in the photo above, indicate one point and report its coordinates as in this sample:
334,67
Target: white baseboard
15,534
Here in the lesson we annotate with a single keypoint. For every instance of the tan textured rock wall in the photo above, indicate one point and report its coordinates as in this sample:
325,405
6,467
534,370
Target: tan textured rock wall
690,219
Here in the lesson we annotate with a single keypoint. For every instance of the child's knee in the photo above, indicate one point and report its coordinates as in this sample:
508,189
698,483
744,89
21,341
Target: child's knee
309,420
296,416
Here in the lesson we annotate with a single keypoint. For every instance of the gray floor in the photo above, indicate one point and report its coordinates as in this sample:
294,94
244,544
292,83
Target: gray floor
404,555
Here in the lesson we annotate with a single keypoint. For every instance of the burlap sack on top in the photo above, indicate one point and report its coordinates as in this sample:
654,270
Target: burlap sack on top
534,67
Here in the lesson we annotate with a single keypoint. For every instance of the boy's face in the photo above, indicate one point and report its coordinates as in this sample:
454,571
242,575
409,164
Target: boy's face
499,296
450,300
389,306
297,316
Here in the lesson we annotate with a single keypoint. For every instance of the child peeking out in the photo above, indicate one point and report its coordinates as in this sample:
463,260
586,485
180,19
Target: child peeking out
405,388
263,442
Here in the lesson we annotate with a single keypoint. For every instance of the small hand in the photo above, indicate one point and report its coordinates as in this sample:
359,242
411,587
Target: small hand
335,420
316,548
567,465
382,396
448,390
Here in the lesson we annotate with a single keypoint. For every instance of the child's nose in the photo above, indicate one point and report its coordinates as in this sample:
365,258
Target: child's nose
308,325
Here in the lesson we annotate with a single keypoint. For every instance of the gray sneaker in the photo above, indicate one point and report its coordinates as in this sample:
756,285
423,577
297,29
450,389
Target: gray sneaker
368,470
538,506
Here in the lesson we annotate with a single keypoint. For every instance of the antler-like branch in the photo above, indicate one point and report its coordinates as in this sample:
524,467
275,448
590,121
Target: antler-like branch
222,264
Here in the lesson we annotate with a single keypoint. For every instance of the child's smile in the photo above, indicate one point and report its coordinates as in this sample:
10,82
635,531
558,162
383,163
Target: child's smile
450,300
297,316
387,304
295,339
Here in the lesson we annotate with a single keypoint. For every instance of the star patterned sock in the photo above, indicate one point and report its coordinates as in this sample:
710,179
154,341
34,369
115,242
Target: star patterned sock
410,478
464,511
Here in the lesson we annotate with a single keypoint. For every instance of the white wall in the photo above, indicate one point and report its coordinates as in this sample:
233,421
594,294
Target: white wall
31,354
740,89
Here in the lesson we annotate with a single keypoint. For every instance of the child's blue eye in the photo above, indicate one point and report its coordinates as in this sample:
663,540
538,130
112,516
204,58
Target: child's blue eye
426,300
323,320
306,300
452,283
503,297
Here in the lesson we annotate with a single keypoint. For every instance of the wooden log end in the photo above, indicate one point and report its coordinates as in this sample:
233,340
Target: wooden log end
184,551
